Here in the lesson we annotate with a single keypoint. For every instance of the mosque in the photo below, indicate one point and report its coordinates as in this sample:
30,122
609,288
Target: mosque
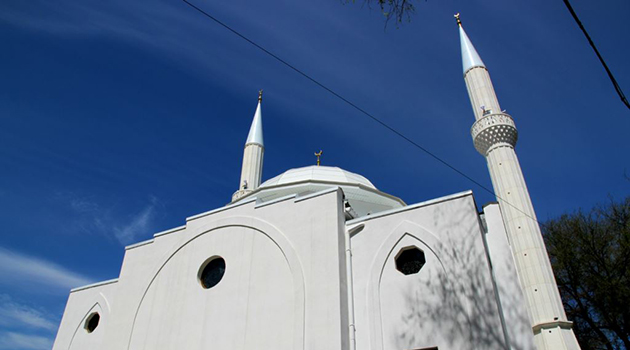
319,258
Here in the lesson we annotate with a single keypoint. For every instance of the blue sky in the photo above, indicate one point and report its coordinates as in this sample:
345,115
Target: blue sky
120,119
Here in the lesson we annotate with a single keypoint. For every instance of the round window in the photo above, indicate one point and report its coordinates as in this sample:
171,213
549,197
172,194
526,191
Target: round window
92,322
211,272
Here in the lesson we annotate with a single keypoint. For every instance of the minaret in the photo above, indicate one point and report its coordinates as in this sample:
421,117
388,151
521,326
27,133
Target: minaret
251,173
495,135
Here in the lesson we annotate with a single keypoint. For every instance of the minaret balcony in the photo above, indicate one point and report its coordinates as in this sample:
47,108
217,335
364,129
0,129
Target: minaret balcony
240,194
494,130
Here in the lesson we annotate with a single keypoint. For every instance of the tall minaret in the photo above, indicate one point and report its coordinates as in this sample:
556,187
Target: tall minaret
495,135
251,173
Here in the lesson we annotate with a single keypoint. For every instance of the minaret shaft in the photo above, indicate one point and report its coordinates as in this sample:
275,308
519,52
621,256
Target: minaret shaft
481,92
251,172
528,248
525,237
495,135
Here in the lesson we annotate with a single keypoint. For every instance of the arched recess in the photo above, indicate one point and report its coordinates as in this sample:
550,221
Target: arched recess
81,339
261,228
428,242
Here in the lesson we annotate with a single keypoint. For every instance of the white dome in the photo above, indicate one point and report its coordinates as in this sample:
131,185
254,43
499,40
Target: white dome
318,174
361,194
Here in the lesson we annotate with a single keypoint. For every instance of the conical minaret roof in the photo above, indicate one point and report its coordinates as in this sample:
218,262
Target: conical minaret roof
470,57
255,131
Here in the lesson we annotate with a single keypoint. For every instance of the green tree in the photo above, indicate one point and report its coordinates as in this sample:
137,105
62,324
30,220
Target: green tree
590,255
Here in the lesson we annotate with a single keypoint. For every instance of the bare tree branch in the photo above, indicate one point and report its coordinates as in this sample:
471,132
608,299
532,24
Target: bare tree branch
399,10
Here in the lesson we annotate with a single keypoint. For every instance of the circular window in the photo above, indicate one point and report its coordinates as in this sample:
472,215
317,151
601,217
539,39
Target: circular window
211,272
92,322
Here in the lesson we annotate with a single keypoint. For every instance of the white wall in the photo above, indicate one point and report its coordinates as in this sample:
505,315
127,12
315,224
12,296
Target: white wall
285,281
509,288
81,304
449,304
284,285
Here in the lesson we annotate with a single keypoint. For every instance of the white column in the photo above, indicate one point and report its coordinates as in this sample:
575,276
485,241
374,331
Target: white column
481,92
251,172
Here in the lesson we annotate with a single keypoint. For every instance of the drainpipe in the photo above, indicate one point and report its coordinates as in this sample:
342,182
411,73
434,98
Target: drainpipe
351,327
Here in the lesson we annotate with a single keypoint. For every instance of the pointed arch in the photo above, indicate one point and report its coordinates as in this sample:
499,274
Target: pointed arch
100,304
407,228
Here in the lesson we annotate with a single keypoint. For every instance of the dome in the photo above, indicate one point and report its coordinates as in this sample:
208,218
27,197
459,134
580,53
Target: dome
361,194
318,173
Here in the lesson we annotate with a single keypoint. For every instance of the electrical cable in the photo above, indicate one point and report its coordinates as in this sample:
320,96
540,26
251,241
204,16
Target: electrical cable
431,154
601,59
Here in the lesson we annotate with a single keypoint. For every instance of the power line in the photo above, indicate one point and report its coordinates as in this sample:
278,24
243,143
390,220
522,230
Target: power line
433,155
601,59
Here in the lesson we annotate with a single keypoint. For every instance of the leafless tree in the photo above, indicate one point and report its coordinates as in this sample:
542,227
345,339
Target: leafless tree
398,10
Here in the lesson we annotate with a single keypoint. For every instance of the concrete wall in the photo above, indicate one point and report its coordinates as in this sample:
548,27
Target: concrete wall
283,288
449,304
285,284
81,304
511,296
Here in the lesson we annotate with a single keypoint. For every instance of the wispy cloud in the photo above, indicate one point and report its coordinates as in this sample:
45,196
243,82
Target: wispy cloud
92,217
159,26
19,269
13,314
173,30
83,205
21,341
89,217
190,42
139,224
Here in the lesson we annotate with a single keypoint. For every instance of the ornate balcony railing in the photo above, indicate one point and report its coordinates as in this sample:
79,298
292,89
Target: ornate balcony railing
493,130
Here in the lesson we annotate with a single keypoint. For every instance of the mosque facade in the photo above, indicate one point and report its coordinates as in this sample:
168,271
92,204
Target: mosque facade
319,258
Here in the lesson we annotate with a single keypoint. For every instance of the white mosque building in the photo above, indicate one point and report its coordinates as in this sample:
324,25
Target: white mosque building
318,258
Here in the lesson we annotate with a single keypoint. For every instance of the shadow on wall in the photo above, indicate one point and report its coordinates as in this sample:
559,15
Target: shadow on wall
466,315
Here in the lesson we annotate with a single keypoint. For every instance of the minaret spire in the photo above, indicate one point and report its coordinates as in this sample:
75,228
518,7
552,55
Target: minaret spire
495,135
470,57
251,172
255,131
480,89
